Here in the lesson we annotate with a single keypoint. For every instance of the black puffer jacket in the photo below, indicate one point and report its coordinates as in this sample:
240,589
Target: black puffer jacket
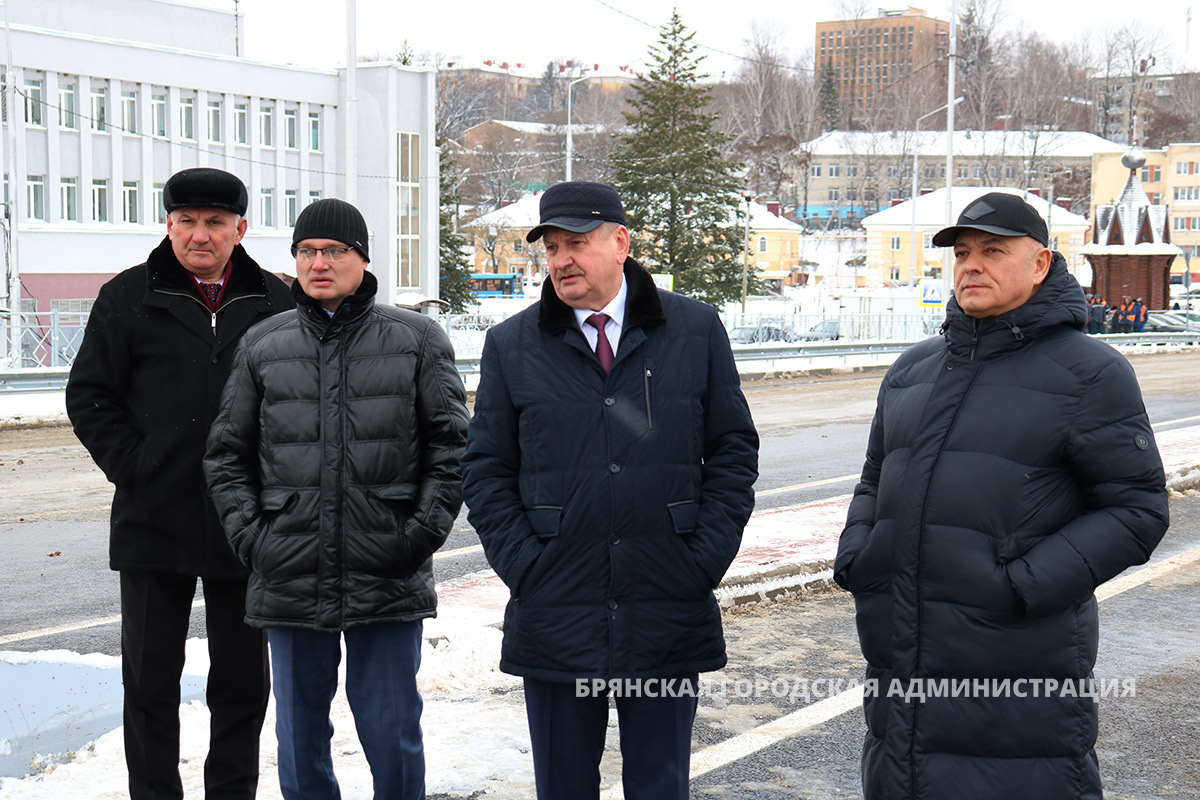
1011,469
611,505
142,392
334,462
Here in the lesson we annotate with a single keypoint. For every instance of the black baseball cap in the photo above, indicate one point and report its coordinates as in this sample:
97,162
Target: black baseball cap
1000,213
577,206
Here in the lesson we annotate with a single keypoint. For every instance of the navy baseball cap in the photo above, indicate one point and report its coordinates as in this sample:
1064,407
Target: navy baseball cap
577,206
1000,213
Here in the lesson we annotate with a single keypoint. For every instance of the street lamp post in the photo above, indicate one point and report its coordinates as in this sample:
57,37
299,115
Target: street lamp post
570,142
912,231
746,254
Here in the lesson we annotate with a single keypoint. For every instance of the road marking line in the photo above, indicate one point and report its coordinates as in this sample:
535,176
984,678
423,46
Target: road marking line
1126,582
809,485
462,551
750,742
110,619
1174,421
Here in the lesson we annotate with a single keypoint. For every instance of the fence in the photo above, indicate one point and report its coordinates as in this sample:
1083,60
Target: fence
52,338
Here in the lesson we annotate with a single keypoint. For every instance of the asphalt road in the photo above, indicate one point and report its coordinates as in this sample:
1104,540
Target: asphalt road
53,533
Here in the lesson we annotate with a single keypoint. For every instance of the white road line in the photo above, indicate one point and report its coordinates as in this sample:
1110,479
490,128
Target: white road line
742,745
809,485
111,619
1173,422
462,551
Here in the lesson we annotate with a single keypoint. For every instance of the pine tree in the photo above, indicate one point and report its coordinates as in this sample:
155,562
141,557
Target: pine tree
827,100
680,192
454,266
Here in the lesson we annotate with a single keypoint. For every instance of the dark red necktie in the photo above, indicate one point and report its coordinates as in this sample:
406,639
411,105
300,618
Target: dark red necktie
211,290
603,348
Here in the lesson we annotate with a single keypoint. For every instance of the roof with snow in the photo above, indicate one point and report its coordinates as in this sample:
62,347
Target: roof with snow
1132,224
1061,144
931,210
525,214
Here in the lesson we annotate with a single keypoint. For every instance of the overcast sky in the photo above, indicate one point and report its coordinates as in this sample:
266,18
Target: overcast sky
619,32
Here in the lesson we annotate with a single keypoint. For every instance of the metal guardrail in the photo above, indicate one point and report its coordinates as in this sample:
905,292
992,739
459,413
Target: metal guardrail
49,379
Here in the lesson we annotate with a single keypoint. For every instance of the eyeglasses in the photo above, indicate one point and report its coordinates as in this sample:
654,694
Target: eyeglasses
332,254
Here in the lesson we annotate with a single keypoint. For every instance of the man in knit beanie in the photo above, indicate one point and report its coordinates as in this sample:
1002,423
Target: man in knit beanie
333,464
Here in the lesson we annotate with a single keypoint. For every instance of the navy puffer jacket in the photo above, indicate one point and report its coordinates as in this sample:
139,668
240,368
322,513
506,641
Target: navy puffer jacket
611,505
1011,469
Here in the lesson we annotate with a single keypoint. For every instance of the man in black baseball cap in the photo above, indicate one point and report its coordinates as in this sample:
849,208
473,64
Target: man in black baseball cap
1010,470
1001,254
158,348
609,472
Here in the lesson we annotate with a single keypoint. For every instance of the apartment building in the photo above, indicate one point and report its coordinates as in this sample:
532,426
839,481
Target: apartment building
847,175
867,56
111,99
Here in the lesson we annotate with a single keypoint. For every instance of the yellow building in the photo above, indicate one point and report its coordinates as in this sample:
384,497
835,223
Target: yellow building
892,247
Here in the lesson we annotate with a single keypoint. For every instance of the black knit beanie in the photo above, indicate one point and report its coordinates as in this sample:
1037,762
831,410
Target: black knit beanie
334,219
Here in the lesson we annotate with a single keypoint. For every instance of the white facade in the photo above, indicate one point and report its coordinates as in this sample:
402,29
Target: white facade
111,99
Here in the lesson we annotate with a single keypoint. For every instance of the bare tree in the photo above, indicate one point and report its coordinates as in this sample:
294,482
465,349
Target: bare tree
980,50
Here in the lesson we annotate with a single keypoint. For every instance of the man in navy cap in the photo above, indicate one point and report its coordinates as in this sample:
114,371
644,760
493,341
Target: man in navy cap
1010,470
609,472
155,356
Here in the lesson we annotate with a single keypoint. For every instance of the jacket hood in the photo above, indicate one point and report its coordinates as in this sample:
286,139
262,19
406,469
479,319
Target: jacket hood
643,308
352,308
1059,302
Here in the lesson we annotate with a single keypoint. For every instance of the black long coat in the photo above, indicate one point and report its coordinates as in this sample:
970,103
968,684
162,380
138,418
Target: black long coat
1011,469
611,504
142,392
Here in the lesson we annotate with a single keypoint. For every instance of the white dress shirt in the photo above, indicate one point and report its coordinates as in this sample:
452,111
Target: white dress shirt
616,320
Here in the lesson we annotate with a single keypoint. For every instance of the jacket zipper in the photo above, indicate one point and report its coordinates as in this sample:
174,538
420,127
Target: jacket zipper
646,381
974,337
205,307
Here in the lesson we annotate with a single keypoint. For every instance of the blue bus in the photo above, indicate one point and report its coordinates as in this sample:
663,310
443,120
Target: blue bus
497,284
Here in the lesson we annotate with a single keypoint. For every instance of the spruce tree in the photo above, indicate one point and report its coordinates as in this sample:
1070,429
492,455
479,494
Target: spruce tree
454,265
681,194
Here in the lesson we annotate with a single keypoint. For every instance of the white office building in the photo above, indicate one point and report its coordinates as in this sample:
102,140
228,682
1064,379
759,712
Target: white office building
111,98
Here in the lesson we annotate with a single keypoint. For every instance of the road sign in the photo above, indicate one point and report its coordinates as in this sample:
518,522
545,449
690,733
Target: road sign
931,293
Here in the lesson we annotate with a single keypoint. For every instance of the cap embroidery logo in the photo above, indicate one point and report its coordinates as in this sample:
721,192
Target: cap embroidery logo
978,210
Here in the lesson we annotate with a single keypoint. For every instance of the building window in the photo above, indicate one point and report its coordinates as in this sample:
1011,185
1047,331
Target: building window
894,274
1187,193
893,170
214,120
68,195
852,170
129,202
36,190
100,110
993,171
1155,198
835,170
267,127
100,200
33,103
289,128
895,242
814,171
313,196
129,111
240,115
930,170
187,118
1010,172
834,195
266,208
66,107
314,131
408,209
963,170
158,114
289,207
762,244
160,212
977,172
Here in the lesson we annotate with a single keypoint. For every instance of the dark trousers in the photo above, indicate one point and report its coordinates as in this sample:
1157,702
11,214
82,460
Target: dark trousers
381,684
567,733
155,611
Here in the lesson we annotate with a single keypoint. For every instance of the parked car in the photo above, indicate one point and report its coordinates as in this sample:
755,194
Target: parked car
1164,323
760,334
824,331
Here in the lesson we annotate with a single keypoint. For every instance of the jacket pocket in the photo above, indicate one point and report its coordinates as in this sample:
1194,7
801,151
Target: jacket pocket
544,520
684,516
